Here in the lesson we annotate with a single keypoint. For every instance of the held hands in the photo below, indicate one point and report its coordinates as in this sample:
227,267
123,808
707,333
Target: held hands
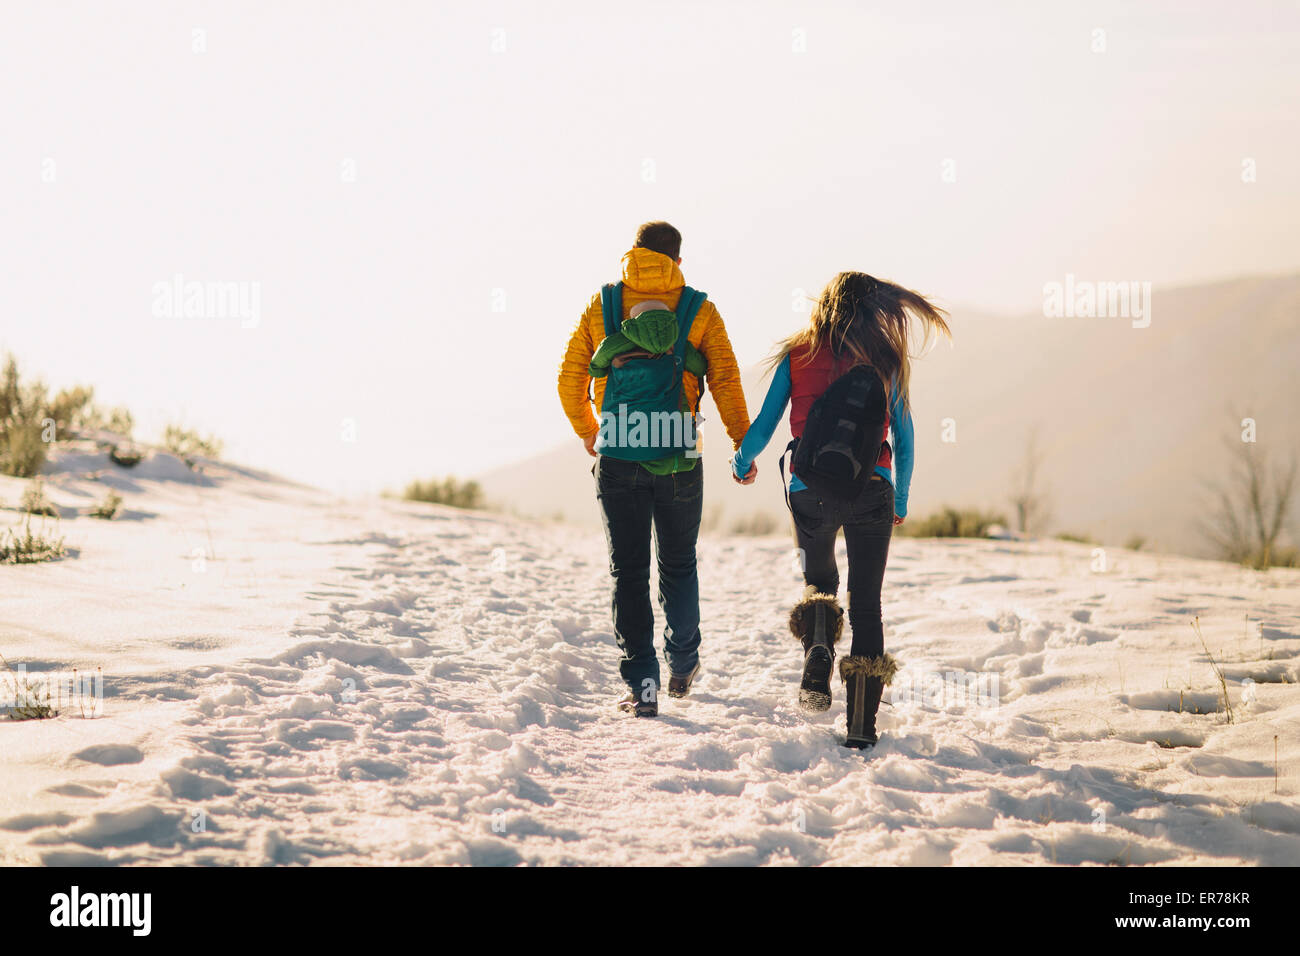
898,520
749,476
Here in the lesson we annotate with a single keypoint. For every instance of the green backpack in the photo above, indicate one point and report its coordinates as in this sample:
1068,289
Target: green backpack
644,415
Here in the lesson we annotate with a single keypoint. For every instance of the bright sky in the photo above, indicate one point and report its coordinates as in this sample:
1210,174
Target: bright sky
501,155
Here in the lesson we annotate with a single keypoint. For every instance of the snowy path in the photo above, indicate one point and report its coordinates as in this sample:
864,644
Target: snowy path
444,695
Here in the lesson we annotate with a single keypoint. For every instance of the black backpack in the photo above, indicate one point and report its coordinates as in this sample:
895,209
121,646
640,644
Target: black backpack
836,454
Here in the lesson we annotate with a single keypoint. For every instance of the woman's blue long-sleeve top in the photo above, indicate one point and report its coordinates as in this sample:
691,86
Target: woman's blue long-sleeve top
778,397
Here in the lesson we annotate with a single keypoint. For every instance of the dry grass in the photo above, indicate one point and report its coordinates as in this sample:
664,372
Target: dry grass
1218,671
24,546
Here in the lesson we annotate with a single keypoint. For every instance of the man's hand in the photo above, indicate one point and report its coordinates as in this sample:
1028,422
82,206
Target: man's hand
589,443
898,520
749,477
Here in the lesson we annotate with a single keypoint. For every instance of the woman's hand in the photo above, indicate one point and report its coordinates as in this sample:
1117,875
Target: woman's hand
898,520
749,476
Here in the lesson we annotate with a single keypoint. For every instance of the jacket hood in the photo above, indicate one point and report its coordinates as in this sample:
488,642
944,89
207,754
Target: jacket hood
648,271
655,331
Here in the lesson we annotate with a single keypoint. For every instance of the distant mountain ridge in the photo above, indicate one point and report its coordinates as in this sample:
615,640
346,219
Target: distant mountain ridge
1132,422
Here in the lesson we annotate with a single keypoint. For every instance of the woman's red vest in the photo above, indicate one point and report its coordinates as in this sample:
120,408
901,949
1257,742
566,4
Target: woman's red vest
809,380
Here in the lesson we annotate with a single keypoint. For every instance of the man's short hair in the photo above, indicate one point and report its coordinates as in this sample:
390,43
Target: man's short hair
660,237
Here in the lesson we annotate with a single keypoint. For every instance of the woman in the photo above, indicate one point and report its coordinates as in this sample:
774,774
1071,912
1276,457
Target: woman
857,321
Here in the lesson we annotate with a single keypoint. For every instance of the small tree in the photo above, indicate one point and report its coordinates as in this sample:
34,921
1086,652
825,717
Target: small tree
1028,499
1251,508
22,415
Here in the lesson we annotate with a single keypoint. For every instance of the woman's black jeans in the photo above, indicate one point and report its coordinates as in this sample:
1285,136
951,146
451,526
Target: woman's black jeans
868,524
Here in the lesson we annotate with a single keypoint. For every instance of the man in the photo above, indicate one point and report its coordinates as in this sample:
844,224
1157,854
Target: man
637,492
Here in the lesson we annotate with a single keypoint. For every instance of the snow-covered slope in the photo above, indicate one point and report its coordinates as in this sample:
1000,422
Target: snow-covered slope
296,679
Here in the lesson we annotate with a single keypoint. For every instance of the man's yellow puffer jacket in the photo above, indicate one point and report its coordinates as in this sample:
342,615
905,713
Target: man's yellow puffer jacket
650,275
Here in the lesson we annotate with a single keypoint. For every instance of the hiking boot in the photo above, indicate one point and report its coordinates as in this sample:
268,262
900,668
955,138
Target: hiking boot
817,621
815,686
679,685
864,684
634,706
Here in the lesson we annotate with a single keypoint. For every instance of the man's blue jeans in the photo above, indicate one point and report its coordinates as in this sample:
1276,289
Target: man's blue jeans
632,502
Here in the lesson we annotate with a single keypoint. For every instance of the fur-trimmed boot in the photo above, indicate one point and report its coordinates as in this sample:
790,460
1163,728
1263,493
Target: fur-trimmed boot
817,621
864,683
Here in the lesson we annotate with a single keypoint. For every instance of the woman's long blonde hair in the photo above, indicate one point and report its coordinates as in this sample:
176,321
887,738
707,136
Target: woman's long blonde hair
867,321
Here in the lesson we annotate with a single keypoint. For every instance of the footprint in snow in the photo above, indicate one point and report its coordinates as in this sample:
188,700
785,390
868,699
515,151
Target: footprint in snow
110,755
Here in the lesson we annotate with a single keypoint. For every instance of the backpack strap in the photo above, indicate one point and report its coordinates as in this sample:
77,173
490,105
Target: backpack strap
780,462
611,306
688,306
785,485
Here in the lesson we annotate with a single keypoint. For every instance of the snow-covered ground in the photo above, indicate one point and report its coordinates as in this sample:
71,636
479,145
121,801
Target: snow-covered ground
290,678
